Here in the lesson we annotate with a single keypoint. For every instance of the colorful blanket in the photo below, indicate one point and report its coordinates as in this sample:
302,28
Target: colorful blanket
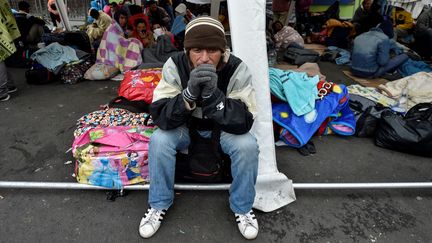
115,50
333,109
112,157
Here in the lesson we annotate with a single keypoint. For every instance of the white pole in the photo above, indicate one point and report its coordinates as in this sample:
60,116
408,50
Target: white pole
216,187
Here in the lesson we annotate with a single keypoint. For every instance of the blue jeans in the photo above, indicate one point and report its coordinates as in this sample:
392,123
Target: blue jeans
394,63
242,149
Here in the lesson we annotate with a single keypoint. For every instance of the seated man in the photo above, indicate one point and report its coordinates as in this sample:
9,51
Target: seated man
101,22
366,16
31,28
423,33
157,14
371,53
208,85
403,24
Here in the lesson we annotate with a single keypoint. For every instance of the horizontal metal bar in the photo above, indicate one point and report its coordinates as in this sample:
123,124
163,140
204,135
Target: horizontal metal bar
214,187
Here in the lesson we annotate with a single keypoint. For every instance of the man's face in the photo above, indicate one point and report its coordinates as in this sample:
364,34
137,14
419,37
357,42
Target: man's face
153,7
200,56
367,4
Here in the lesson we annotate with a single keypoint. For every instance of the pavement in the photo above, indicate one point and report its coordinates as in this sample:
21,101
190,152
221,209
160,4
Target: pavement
36,131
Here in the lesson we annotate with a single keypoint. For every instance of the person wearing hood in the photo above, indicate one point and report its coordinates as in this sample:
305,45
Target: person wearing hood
371,55
208,86
423,33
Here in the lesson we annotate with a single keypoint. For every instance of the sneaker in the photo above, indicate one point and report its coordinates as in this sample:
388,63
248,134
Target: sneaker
12,89
247,224
151,222
5,97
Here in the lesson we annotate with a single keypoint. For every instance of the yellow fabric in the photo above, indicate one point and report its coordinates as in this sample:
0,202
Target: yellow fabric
102,23
8,29
402,16
333,23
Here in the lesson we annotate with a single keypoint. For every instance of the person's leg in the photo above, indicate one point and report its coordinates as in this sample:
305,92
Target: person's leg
6,84
162,157
392,64
53,19
243,151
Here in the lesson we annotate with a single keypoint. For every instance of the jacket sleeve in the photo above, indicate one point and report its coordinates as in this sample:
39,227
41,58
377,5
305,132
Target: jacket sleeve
383,52
168,109
422,23
235,112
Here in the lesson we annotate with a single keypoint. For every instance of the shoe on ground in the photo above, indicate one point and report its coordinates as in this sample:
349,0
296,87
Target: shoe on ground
5,97
247,224
151,222
12,89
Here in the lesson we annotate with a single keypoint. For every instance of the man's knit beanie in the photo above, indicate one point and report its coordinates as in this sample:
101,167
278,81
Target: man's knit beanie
205,32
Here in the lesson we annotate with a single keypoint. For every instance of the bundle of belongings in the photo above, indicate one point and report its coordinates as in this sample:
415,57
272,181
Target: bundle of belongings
304,105
57,62
398,114
111,144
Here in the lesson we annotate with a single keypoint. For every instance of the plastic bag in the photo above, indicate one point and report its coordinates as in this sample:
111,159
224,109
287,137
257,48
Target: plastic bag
411,133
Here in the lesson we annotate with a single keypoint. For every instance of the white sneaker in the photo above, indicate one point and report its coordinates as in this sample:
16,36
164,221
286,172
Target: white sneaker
151,222
247,224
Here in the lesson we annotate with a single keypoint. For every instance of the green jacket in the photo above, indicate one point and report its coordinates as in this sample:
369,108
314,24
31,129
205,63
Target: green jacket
8,31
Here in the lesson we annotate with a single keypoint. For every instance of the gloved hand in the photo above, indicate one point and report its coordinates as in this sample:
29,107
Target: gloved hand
201,74
209,87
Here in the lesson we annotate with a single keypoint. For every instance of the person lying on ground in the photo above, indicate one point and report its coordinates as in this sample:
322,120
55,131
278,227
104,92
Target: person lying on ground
214,88
285,35
371,55
30,27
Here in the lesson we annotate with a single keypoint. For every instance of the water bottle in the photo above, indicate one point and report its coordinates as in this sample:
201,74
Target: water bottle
402,105
272,57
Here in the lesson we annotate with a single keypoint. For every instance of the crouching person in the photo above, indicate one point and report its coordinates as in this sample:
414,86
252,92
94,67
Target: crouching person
371,55
207,84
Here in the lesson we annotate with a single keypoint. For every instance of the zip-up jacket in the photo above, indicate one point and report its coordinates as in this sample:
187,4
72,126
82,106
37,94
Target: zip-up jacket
232,107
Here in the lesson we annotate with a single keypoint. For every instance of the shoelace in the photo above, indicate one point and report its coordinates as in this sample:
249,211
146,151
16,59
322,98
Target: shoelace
247,219
154,215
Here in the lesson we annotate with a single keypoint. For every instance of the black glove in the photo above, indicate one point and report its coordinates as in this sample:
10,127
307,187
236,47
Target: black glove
201,74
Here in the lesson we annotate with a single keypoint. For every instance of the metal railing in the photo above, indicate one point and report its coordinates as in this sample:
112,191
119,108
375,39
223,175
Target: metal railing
77,9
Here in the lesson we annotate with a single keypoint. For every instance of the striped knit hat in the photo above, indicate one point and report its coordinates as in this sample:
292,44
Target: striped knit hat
205,32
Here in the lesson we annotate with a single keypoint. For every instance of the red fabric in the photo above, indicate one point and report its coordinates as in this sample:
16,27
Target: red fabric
133,18
140,84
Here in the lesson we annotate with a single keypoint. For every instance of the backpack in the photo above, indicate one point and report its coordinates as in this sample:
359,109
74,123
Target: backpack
299,56
204,161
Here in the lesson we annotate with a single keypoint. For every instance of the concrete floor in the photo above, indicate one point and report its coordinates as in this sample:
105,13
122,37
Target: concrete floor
36,131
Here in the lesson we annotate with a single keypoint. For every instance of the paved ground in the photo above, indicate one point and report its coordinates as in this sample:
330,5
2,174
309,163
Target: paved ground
36,130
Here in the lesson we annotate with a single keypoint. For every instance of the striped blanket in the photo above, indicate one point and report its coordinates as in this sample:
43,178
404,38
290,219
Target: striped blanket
115,50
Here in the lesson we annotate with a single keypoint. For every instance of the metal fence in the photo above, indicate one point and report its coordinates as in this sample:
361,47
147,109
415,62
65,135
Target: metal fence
77,9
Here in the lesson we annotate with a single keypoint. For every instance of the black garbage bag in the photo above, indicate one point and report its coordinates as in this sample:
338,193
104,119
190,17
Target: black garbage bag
367,123
411,133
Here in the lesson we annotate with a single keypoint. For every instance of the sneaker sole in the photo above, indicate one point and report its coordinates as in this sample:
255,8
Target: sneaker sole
12,91
6,98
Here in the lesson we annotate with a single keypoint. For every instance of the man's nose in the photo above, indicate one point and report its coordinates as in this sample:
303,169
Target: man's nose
205,57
